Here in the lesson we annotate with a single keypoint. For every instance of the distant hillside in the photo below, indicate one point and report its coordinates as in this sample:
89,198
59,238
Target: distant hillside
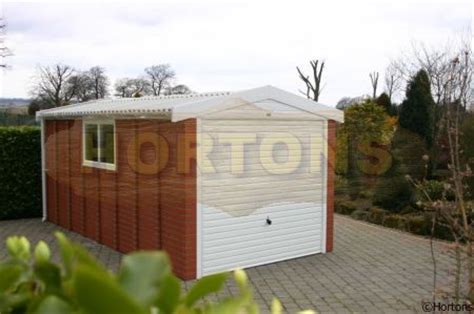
14,102
14,105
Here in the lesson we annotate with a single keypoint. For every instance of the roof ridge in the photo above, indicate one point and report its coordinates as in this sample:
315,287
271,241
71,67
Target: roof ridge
191,95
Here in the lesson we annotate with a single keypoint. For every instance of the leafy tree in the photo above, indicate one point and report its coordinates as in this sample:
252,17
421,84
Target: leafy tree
365,124
33,283
417,110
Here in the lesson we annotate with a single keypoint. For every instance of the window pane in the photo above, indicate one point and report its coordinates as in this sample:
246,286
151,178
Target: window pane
107,144
91,142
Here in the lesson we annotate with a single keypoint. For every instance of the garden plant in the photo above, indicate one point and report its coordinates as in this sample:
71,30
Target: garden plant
31,282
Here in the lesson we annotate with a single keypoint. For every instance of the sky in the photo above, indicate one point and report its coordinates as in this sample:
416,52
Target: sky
226,45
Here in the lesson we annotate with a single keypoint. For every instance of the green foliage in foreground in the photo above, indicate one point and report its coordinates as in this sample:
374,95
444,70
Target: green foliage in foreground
33,283
20,172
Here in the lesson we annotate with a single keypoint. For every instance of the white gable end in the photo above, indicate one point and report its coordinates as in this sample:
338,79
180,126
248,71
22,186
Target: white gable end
267,98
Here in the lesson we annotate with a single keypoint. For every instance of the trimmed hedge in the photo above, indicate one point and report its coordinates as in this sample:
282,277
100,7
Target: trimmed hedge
20,172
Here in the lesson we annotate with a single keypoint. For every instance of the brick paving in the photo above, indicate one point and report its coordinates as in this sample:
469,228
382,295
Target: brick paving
372,269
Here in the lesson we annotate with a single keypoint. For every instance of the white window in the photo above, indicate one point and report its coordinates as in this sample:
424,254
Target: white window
99,144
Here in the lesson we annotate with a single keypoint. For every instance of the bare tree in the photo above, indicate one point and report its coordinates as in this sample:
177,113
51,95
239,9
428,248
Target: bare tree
180,89
54,84
99,82
160,77
313,89
393,80
435,61
456,214
374,81
4,50
121,88
128,87
81,85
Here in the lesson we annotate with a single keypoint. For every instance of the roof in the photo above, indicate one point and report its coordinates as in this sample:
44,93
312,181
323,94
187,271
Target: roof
181,107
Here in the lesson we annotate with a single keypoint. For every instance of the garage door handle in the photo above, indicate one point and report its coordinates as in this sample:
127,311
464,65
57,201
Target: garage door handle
269,221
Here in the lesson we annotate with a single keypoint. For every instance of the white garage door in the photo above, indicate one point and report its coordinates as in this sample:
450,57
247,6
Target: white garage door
261,192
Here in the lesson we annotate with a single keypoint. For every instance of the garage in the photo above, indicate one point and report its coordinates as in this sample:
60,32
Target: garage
218,180
269,210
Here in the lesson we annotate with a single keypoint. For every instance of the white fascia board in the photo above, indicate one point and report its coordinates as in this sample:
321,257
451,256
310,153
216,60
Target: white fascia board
43,169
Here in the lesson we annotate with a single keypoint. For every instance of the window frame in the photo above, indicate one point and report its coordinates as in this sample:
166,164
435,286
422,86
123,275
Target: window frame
98,164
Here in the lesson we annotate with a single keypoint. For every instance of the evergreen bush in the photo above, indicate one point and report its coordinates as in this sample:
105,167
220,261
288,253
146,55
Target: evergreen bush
20,172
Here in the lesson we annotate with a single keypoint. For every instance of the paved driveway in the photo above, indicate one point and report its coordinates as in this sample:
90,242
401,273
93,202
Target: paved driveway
372,269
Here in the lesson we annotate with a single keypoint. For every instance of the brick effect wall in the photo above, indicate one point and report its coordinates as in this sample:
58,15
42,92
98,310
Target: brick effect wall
331,134
134,207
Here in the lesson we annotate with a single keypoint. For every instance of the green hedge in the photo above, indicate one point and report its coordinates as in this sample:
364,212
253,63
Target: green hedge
20,172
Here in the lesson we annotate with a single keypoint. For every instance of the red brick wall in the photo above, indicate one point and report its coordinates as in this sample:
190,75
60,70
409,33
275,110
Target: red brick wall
330,184
145,204
148,186
178,197
127,235
77,181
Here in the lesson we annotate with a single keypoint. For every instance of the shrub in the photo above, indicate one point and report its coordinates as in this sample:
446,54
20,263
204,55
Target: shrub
20,172
395,221
393,194
360,214
434,189
377,215
442,232
418,224
344,207
408,149
32,283
366,194
342,152
340,185
409,209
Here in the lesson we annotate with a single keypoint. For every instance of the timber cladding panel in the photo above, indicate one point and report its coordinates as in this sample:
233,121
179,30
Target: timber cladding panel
149,202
